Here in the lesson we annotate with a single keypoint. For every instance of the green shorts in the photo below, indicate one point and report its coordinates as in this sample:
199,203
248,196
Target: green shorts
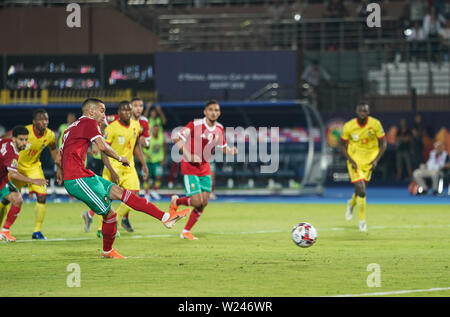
7,189
154,169
93,191
196,184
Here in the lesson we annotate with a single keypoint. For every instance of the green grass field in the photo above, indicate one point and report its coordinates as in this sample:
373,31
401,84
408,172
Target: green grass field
244,250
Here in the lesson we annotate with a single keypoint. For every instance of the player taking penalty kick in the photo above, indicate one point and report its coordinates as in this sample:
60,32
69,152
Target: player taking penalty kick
95,191
363,144
197,141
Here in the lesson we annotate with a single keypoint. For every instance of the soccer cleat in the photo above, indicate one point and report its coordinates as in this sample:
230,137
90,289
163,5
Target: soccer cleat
5,235
174,214
349,213
126,225
87,221
188,235
113,254
38,236
362,226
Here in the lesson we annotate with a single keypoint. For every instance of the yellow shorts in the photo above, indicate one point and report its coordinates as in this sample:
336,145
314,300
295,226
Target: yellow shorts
31,173
364,172
128,178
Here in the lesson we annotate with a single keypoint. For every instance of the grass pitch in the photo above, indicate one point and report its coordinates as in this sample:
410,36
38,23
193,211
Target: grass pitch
244,250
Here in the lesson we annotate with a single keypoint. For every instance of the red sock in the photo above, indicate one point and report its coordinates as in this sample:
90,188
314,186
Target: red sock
11,217
193,218
109,230
185,201
91,213
141,204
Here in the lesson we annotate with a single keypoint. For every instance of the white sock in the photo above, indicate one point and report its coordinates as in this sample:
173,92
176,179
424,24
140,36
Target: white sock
165,217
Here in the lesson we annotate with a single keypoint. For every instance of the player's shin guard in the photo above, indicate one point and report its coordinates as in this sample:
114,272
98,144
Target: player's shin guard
11,217
141,204
193,218
361,202
40,215
109,230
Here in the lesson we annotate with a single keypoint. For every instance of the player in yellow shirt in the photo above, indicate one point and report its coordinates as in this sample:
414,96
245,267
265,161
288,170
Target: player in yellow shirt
363,144
39,137
123,136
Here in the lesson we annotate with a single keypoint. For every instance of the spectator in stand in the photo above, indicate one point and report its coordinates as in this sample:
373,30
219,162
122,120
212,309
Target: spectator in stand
312,75
417,38
403,153
335,9
417,10
418,132
432,24
437,161
361,9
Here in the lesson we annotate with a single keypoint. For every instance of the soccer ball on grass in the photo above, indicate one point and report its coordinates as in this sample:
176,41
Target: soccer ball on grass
304,235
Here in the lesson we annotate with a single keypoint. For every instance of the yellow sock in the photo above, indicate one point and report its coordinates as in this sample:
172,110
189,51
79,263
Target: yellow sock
353,200
3,213
40,215
122,211
361,202
100,223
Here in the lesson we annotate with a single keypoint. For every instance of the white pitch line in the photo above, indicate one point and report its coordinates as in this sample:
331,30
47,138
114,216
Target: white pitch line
396,292
249,232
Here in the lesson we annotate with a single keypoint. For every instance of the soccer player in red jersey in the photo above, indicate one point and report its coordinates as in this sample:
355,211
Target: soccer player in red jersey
9,156
197,141
94,190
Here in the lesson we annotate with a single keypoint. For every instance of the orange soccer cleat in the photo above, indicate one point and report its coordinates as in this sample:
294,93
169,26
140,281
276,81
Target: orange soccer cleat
174,214
5,235
188,235
113,254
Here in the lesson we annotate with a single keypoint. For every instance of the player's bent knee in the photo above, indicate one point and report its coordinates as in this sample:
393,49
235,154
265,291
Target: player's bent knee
15,199
116,193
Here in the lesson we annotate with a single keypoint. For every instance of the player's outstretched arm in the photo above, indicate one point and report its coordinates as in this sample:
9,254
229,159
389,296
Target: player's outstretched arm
181,145
22,178
109,151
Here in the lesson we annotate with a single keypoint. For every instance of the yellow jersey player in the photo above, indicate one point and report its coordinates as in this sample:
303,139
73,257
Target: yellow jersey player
363,144
39,137
123,136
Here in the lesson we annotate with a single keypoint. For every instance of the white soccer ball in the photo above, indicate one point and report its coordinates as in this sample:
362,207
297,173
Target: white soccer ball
304,234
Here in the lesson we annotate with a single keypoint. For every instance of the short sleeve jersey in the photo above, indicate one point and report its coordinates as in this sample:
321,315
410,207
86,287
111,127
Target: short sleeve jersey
363,140
201,140
122,139
30,157
76,140
9,157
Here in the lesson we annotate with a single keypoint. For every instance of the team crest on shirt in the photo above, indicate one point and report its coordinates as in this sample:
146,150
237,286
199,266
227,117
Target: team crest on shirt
370,133
14,163
355,137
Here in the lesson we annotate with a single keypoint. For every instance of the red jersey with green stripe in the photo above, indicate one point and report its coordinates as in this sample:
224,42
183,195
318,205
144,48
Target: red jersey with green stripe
9,157
201,140
76,140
